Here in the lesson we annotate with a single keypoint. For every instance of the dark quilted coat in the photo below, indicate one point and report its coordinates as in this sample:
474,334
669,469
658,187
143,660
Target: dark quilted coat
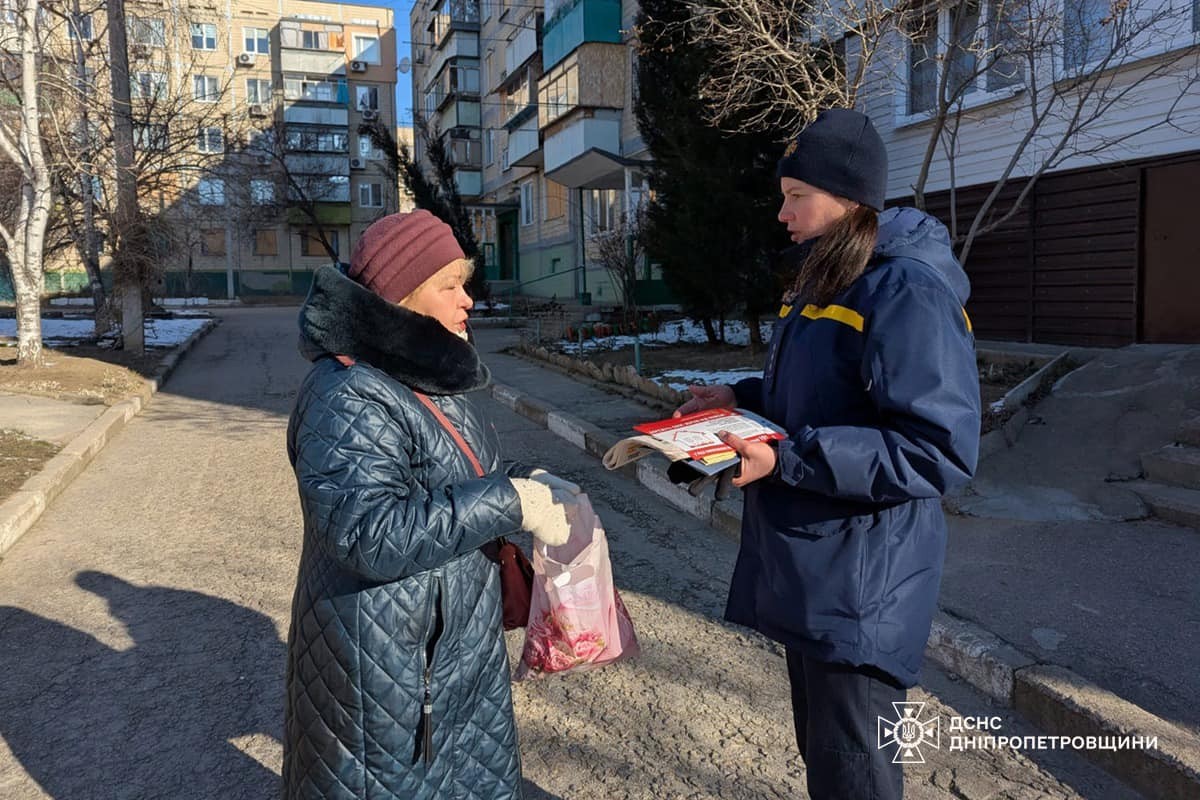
393,597
842,548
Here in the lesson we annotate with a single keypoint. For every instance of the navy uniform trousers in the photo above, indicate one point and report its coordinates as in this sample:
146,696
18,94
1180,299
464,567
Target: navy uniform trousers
836,709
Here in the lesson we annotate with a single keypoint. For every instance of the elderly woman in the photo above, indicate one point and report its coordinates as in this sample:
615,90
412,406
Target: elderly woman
397,676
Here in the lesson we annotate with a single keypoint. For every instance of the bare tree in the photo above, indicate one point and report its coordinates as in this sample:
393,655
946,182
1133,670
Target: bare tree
620,251
21,142
785,60
1055,76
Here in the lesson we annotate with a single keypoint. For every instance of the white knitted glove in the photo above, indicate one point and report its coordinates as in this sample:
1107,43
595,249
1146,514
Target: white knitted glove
552,481
542,515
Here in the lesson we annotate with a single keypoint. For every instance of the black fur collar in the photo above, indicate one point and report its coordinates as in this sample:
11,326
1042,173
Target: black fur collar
340,317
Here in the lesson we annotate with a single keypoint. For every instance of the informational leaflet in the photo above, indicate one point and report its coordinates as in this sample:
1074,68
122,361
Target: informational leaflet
693,438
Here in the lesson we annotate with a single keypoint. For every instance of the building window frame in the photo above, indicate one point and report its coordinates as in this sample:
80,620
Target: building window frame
204,36
527,207
256,40
211,191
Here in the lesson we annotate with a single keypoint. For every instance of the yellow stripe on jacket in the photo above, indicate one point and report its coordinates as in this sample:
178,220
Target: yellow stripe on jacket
846,316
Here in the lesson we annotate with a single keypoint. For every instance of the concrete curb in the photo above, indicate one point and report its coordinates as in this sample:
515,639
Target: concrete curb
1006,436
1055,699
20,511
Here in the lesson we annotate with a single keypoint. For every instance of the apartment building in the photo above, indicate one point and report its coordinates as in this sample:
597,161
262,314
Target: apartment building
255,108
536,101
1100,251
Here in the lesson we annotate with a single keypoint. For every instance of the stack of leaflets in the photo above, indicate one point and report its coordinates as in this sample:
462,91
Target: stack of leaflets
692,439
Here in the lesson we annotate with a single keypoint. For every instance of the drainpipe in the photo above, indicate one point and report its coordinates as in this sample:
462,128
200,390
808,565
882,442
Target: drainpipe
582,249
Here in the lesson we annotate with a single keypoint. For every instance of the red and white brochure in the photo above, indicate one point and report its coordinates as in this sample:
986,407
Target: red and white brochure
696,434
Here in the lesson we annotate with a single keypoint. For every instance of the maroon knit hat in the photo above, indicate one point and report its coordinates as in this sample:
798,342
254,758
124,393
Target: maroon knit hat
398,253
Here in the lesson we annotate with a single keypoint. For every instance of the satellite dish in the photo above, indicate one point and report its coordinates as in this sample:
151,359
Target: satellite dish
405,65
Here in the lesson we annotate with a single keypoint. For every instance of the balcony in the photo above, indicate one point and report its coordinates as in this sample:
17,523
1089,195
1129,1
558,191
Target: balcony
309,115
317,164
584,152
524,149
313,62
520,103
460,45
522,48
332,213
579,21
462,113
468,182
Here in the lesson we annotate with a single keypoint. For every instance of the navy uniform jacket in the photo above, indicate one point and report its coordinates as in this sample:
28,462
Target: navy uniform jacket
842,547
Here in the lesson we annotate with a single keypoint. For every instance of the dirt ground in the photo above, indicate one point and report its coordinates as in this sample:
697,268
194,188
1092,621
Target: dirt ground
994,379
84,374
21,457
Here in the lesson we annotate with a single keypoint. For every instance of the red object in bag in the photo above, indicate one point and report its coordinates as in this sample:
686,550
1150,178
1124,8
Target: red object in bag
576,618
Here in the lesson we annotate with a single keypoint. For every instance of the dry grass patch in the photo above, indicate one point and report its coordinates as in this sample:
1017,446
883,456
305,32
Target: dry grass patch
21,457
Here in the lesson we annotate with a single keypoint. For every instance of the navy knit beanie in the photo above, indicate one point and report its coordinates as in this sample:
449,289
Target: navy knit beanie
840,152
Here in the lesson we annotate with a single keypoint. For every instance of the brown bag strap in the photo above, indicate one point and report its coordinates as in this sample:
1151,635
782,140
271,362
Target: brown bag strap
458,438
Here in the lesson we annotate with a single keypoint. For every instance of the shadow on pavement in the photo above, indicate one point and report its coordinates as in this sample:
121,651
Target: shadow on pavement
153,720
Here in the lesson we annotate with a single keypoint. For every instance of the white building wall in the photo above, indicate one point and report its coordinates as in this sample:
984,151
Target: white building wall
992,131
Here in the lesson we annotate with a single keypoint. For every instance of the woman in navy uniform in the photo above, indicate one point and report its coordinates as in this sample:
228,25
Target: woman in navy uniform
871,371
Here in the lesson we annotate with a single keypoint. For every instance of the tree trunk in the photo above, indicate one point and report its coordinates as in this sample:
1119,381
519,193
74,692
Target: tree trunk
129,281
756,339
27,287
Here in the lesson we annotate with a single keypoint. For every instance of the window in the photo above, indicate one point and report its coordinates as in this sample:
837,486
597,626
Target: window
317,140
146,31
976,40
1085,36
265,242
922,64
555,195
370,195
367,97
256,40
212,242
205,88
258,90
604,210
311,244
465,153
367,148
489,147
366,48
262,192
211,191
204,36
558,92
315,40
151,136
81,27
527,203
314,89
210,140
148,86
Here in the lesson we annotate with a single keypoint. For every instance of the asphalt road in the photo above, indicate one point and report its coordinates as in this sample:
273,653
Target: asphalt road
143,622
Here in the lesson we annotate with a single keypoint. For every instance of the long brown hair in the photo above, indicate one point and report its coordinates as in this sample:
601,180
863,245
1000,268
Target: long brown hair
837,258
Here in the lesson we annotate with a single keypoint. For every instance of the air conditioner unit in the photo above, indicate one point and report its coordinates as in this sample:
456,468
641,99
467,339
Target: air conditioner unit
369,114
258,110
245,59
139,51
358,66
358,163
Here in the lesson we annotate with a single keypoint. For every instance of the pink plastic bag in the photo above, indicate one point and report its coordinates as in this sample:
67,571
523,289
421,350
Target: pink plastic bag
577,621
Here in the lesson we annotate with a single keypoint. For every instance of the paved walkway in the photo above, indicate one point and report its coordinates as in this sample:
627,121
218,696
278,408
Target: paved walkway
1116,602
